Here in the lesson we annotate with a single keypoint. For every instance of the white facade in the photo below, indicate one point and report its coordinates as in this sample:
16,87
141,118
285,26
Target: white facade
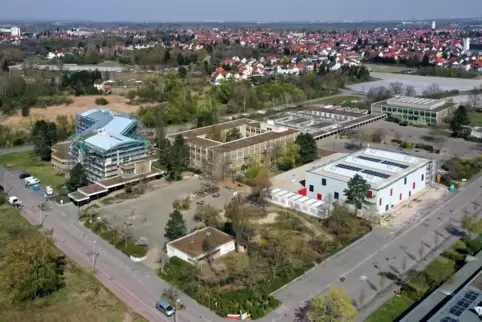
397,185
304,204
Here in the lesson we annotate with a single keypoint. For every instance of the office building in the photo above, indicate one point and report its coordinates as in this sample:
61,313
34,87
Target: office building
416,110
393,177
228,158
107,144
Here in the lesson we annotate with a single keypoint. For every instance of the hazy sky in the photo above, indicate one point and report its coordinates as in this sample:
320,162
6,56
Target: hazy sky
240,10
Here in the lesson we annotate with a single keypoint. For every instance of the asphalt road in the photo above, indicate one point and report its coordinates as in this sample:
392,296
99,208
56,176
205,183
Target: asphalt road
19,149
139,287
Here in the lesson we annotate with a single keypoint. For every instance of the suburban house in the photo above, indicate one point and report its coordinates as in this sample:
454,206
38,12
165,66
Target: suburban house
192,248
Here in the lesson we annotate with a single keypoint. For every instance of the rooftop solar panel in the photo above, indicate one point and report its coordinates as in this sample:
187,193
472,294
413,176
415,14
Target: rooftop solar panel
368,158
395,164
448,319
463,304
348,167
376,174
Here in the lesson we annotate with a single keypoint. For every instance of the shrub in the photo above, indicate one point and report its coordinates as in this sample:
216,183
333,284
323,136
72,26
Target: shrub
101,101
25,110
133,250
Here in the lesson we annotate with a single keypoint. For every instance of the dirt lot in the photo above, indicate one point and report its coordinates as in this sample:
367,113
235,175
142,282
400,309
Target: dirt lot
80,104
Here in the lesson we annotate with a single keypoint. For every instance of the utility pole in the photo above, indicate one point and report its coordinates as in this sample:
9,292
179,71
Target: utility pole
93,253
175,313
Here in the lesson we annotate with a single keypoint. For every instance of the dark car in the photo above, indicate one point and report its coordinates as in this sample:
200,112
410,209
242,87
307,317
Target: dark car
24,175
2,189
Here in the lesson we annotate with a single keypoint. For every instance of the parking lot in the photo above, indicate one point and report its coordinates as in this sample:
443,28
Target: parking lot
450,148
148,214
420,83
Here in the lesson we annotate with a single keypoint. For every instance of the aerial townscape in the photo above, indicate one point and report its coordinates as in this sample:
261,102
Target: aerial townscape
258,163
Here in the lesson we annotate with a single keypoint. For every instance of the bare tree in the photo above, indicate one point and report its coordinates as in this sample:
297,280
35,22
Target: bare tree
475,97
397,88
410,91
432,91
208,248
377,94
237,214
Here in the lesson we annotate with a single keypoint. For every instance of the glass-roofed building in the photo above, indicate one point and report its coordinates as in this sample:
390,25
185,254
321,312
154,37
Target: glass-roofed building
104,141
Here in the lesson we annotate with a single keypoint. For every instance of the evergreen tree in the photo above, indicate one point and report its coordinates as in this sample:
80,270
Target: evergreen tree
44,136
458,123
308,149
177,157
5,67
78,178
357,192
176,226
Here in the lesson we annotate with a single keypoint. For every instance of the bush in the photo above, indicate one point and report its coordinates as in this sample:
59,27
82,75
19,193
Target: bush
25,110
133,250
101,101
425,147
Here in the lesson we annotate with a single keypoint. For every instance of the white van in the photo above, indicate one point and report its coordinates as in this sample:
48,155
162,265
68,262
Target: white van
30,181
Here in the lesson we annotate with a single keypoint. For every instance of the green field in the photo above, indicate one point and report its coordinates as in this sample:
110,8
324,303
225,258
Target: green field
27,161
391,310
475,118
82,299
345,101
385,68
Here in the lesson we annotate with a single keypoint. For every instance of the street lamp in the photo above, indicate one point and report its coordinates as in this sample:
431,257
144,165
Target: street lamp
93,253
175,313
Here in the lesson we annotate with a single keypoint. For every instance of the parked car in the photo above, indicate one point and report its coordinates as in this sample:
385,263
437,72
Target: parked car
49,191
24,175
215,195
14,201
2,189
200,202
165,307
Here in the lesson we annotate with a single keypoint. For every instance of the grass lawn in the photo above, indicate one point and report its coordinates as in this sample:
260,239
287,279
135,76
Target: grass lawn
345,101
391,310
475,118
82,299
385,68
31,164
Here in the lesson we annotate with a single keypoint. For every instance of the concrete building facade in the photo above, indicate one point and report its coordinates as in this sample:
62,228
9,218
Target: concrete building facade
228,158
393,177
415,110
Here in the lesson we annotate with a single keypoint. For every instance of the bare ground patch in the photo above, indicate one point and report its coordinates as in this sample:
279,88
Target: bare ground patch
80,104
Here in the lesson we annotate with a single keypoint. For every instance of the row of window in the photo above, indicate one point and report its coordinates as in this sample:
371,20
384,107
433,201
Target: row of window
408,111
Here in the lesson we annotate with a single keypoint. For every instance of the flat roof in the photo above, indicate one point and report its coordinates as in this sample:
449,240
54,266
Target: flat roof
192,244
417,103
377,167
92,189
118,181
323,108
253,140
61,150
78,196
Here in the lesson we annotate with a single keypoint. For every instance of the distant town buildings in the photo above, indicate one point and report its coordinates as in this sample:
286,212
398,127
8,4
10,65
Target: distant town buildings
12,31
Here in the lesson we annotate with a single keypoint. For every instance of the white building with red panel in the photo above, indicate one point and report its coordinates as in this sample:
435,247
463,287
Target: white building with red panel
393,177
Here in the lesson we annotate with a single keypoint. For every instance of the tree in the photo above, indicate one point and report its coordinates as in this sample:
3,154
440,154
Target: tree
177,157
261,185
468,222
5,67
237,214
397,88
410,91
182,71
357,192
233,134
44,136
308,149
209,215
432,91
377,94
458,123
31,268
475,97
335,306
176,226
78,178
209,247
290,158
